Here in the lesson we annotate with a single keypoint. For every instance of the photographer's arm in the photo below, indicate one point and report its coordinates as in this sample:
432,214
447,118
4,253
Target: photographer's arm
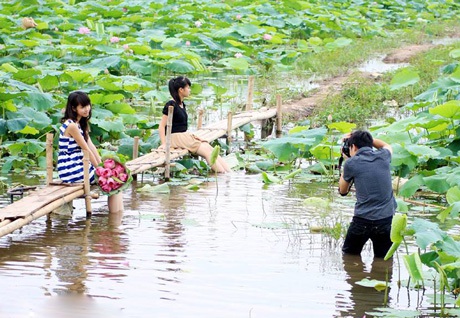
382,144
344,187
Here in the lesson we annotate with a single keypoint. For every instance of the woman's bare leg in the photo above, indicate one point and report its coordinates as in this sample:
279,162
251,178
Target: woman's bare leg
115,203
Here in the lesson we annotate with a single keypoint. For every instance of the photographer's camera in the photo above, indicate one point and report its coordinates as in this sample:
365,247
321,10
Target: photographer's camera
346,147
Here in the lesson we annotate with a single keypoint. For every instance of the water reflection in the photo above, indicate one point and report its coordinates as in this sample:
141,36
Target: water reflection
231,249
361,299
171,248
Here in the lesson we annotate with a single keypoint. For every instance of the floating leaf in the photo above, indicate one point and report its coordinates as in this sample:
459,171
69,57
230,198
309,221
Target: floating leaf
161,188
316,202
379,285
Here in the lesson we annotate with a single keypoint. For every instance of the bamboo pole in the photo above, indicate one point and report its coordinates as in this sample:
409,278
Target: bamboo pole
279,116
250,92
200,119
135,152
425,204
168,142
86,182
49,158
17,224
229,131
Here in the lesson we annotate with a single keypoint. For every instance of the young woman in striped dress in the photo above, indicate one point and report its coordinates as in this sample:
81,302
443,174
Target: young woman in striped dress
73,139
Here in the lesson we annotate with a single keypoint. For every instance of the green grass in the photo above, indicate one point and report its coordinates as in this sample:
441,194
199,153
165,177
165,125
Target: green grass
363,98
337,62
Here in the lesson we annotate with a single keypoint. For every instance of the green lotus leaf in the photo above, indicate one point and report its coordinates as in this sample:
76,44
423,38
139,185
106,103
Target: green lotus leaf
450,109
3,126
411,186
404,78
110,84
455,53
248,30
121,108
180,66
235,63
171,43
49,82
414,266
377,284
268,178
9,68
105,62
453,195
108,49
40,101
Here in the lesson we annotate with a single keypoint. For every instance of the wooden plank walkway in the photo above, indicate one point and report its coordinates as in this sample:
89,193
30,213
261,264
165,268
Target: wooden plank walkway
46,199
37,204
209,133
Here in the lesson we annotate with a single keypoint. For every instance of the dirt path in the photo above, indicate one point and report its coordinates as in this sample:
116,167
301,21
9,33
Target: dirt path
302,108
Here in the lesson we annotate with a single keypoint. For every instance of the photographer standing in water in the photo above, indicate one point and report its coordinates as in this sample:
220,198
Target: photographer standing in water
369,171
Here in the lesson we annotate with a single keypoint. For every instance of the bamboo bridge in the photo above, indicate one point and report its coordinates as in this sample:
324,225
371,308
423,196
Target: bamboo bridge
45,199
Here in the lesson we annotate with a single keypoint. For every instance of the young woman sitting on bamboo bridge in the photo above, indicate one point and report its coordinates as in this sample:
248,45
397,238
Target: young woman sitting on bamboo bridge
179,88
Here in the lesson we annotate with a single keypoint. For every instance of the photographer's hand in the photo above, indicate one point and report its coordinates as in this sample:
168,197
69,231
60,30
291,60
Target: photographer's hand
382,144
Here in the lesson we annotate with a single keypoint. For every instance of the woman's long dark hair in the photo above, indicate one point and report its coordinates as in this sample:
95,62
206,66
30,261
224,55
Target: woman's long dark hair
78,98
175,84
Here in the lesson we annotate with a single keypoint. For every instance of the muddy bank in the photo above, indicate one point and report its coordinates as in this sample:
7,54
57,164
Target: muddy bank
301,108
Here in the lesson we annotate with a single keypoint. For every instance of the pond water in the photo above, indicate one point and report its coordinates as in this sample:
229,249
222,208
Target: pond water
232,249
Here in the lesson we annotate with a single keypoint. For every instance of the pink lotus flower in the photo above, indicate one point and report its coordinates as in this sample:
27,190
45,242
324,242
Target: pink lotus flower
109,163
123,177
238,55
125,47
101,181
111,182
198,24
112,175
106,188
118,168
105,173
187,43
267,37
84,30
238,17
114,39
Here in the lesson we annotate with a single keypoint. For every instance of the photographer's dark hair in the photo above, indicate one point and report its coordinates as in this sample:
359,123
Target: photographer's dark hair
361,138
175,84
78,98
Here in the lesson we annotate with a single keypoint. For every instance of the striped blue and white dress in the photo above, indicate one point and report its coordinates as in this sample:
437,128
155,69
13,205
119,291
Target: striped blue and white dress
70,158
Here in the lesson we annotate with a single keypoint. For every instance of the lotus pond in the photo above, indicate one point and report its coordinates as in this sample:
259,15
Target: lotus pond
250,251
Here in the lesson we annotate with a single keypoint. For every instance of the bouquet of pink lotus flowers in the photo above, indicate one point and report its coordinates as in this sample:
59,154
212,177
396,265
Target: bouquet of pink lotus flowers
112,175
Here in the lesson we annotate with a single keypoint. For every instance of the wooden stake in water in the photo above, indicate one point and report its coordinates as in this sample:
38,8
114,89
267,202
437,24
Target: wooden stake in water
86,182
279,116
250,92
49,158
135,152
200,119
229,131
168,142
